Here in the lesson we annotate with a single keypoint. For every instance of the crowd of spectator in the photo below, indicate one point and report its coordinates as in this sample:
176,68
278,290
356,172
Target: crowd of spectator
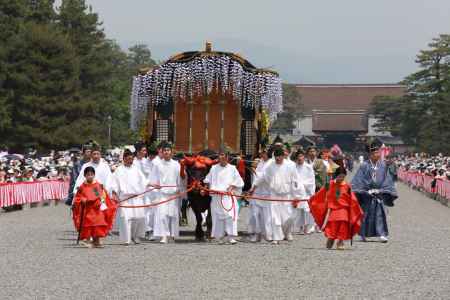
55,165
436,166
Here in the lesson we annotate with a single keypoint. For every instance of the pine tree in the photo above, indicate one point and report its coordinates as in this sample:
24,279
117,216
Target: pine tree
44,81
292,110
421,116
60,77
101,62
428,93
12,16
41,11
140,56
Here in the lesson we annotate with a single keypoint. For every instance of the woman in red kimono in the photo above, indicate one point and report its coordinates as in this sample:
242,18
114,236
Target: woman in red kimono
93,211
336,210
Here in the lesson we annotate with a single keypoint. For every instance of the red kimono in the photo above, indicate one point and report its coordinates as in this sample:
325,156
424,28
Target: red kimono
344,220
96,222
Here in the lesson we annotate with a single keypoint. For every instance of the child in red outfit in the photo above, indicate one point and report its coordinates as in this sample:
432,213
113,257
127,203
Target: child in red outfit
98,213
336,210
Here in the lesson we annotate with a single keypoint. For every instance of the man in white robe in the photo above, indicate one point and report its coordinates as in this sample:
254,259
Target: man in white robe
128,181
168,182
141,161
282,180
303,219
159,156
145,164
287,156
102,170
259,212
224,177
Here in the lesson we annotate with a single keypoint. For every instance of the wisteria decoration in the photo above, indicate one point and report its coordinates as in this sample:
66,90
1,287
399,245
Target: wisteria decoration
198,76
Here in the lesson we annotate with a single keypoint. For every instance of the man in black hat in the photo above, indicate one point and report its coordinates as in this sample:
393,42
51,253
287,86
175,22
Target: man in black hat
374,186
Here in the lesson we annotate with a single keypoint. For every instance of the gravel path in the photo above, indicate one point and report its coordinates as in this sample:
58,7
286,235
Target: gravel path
38,260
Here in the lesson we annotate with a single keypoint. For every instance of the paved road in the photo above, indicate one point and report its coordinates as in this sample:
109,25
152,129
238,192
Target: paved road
38,260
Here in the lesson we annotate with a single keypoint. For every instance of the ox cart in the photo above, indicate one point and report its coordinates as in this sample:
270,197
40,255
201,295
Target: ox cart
201,101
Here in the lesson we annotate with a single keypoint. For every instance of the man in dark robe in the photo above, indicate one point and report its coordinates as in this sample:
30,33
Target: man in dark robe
86,157
374,187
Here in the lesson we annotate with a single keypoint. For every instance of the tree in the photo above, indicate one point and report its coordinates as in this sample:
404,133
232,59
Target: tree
41,11
61,78
283,124
421,116
397,116
292,110
44,82
387,111
12,16
139,57
428,94
100,63
292,101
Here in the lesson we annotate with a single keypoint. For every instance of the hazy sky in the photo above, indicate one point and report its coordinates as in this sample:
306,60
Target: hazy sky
314,41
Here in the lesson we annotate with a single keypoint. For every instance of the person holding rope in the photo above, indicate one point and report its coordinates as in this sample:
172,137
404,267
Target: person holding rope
259,212
282,180
93,211
159,153
167,181
146,165
128,186
303,219
224,180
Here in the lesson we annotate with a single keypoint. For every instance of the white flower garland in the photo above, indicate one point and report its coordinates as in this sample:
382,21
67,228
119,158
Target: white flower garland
198,76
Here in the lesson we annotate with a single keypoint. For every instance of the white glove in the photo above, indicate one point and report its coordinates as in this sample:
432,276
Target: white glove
373,191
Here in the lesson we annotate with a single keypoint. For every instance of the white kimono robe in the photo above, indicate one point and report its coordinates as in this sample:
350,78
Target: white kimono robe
224,210
126,182
259,212
167,173
156,160
144,165
102,175
282,181
147,168
307,182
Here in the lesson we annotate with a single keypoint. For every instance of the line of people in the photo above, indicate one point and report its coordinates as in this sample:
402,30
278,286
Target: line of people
308,194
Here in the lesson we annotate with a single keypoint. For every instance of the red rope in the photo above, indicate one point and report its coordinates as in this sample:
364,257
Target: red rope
233,204
137,195
146,191
212,192
172,198
254,197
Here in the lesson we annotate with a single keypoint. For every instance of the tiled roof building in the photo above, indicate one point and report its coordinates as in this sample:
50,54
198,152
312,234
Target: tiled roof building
339,113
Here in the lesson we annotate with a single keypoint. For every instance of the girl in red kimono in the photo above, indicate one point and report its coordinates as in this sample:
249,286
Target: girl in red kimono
336,210
98,213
